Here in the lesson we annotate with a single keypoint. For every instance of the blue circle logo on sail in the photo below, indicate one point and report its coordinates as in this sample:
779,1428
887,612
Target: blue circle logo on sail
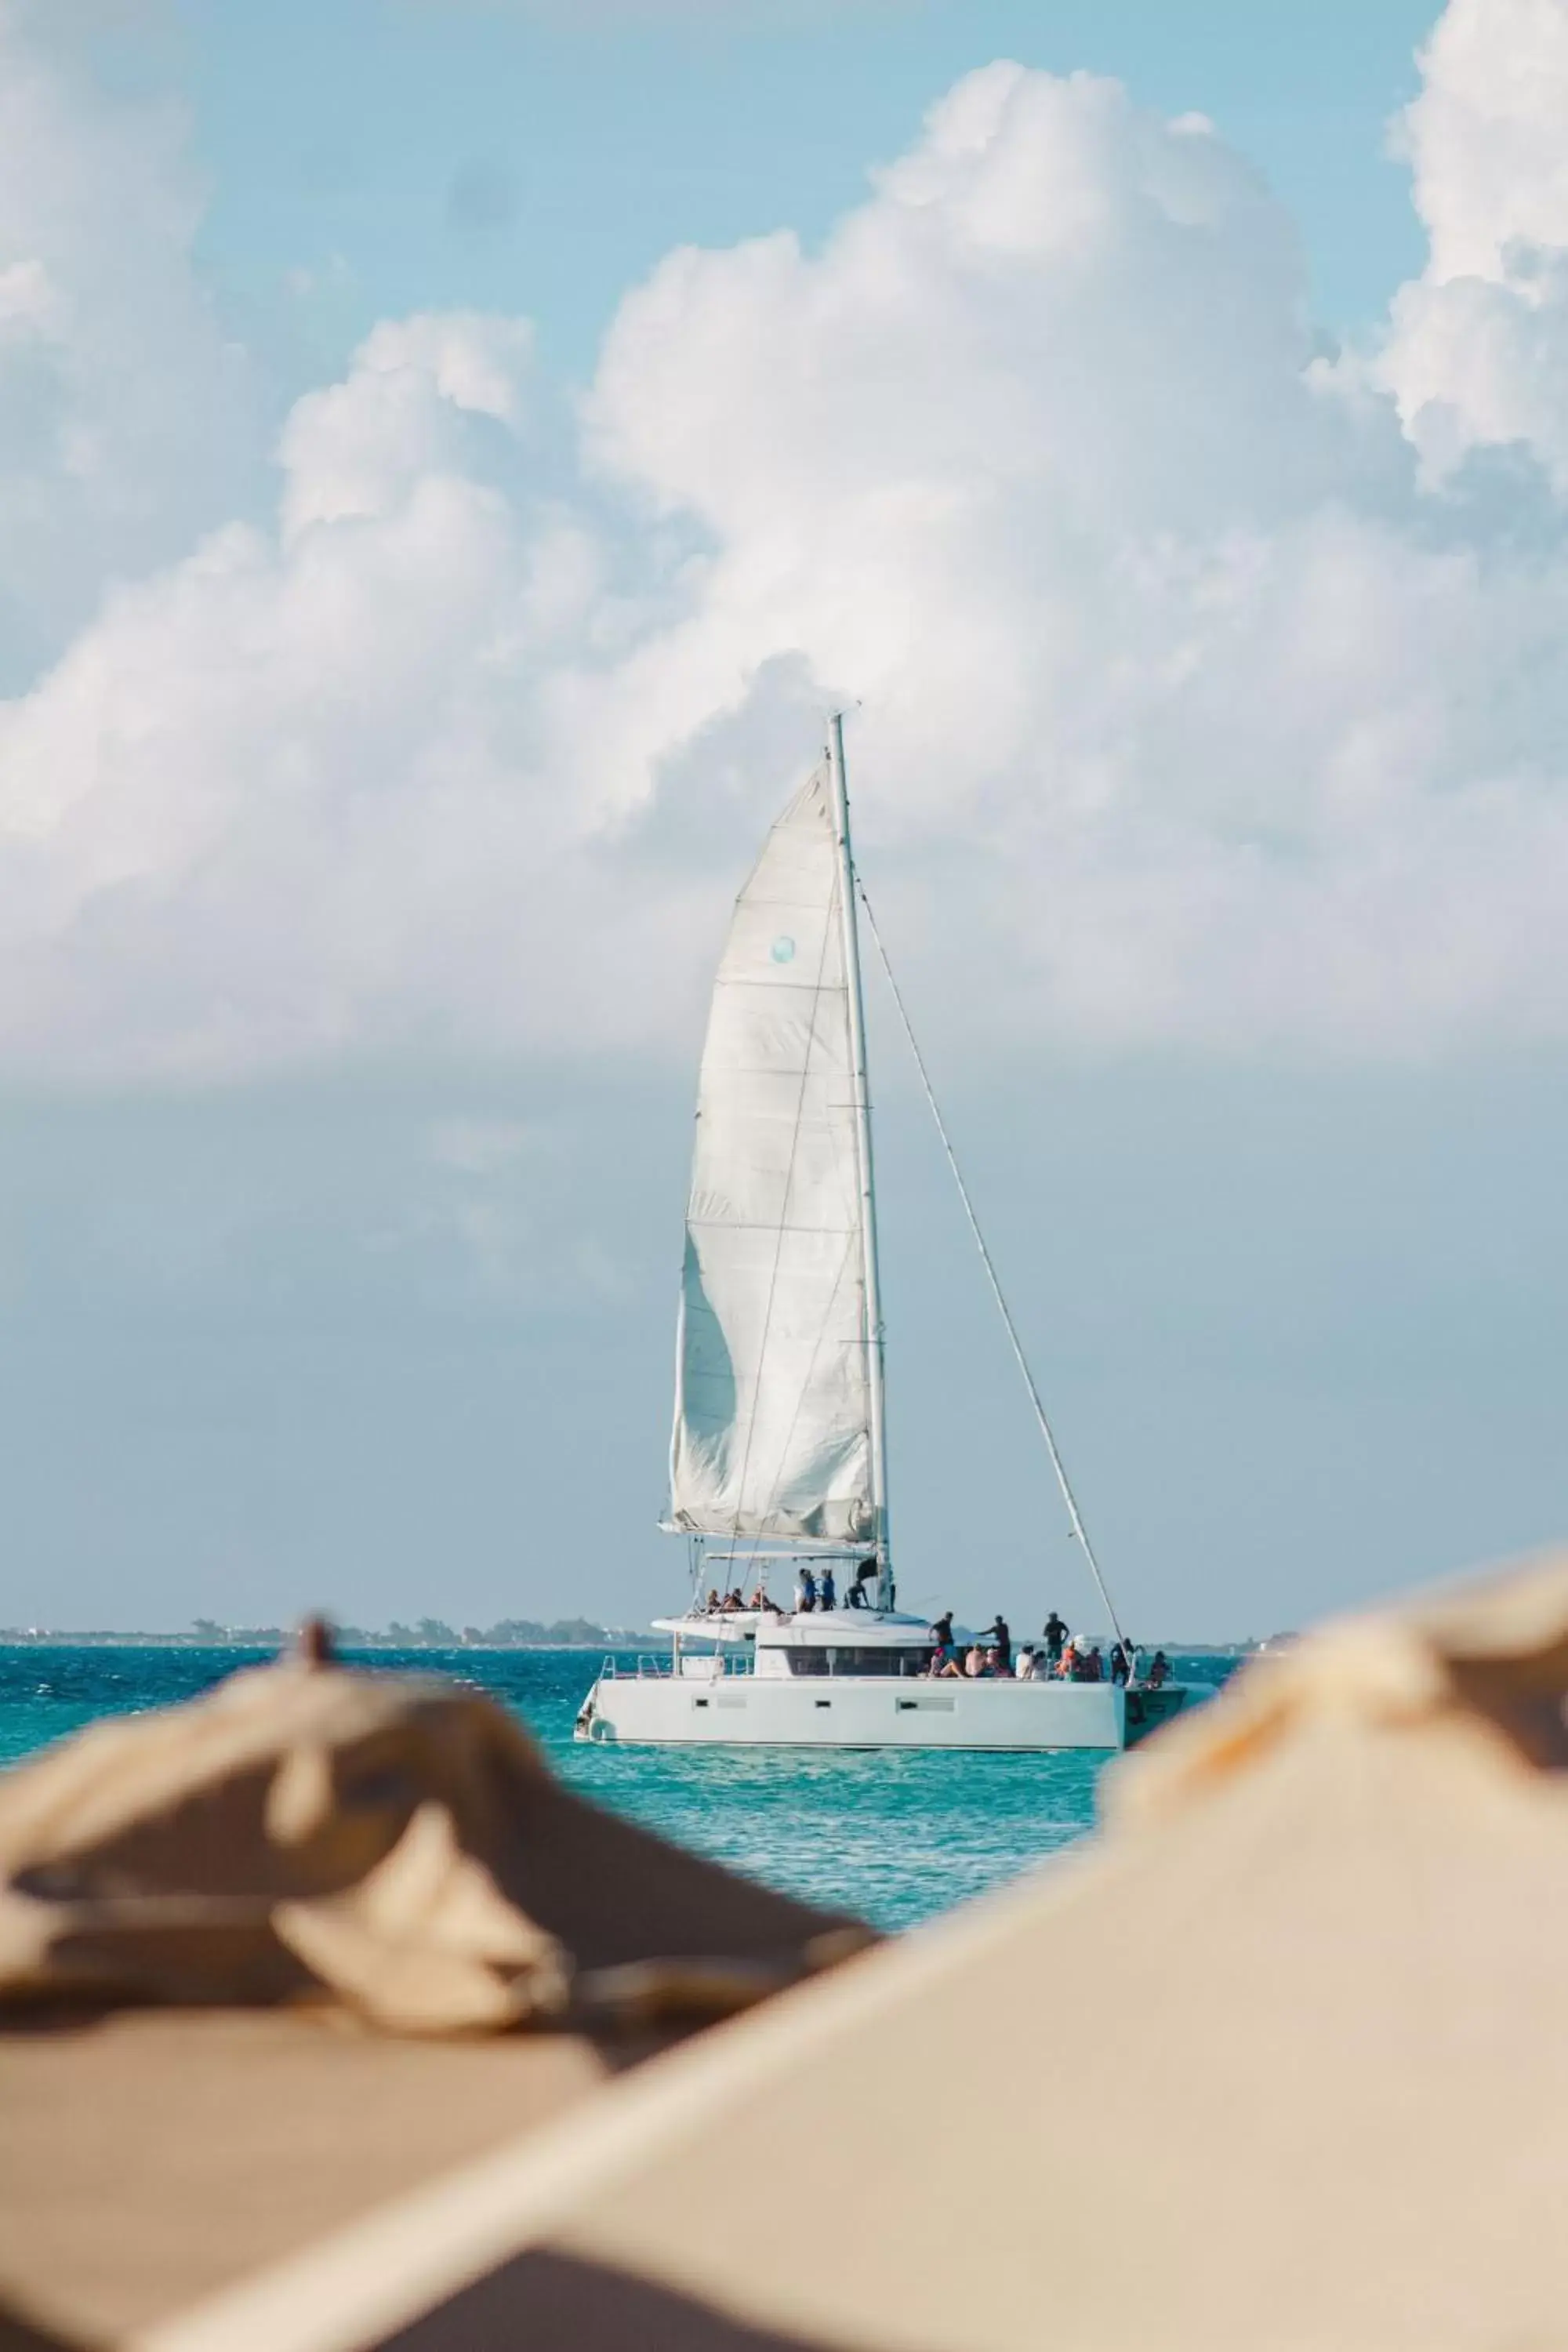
784,949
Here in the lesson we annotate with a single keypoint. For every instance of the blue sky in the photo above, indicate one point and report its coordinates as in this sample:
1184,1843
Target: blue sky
541,160
421,582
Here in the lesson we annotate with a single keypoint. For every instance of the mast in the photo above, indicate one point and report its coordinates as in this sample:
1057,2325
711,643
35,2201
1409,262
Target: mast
863,1168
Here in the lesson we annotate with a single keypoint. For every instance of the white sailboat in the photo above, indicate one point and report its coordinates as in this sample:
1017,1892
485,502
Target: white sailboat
778,1460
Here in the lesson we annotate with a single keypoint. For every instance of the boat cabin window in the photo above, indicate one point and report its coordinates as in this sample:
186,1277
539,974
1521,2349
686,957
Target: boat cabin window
833,1661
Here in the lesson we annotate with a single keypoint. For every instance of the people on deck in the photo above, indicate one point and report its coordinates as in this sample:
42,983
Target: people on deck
941,1630
710,1606
1055,1638
1120,1665
828,1596
732,1603
1159,1672
975,1662
864,1575
1074,1665
805,1591
999,1666
997,1631
1026,1670
1094,1665
942,1661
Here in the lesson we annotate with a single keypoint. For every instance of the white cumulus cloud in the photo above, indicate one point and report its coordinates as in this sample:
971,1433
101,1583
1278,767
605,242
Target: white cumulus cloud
1190,709
354,447
125,417
1479,354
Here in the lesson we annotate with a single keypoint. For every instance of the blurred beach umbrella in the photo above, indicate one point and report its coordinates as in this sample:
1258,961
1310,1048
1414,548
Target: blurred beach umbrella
1280,2061
222,1925
392,1844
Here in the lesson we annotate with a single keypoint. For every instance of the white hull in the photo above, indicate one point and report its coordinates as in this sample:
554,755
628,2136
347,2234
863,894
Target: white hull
868,1711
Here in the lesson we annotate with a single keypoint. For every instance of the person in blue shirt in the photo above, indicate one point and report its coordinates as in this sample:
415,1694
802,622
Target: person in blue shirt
828,1591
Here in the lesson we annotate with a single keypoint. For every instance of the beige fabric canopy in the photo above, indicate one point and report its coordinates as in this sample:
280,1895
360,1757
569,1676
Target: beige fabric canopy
389,1844
211,1917
1280,2061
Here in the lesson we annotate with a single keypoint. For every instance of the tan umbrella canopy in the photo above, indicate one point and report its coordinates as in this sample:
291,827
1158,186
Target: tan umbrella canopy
1281,2061
223,1925
390,1843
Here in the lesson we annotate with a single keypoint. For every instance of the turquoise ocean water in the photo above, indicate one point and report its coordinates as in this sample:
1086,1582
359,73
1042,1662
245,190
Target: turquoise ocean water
894,1837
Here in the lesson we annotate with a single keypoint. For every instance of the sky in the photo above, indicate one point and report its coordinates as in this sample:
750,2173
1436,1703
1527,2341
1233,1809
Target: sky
452,455
545,159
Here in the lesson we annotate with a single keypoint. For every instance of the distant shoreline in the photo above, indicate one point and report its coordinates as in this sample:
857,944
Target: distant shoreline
349,1638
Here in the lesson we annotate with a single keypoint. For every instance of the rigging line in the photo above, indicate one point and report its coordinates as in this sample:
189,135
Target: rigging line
783,1212
1075,1516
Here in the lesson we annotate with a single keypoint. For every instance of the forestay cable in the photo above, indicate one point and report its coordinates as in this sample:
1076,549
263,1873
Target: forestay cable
1075,1516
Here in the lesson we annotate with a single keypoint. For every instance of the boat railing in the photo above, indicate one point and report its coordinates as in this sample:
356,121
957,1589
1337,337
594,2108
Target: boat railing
650,1668
718,1667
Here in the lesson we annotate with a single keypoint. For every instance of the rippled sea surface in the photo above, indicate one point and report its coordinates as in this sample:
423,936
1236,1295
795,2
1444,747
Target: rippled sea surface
895,1837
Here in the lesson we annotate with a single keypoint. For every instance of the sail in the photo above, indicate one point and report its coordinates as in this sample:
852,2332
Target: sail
772,1404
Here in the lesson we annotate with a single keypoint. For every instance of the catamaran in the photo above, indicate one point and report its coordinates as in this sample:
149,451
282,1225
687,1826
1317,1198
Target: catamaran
779,1458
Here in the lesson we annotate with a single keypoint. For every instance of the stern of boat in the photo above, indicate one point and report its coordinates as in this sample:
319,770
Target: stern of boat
590,1724
1148,1709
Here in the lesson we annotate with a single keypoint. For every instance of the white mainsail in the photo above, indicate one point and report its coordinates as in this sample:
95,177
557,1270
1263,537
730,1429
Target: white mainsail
773,1405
